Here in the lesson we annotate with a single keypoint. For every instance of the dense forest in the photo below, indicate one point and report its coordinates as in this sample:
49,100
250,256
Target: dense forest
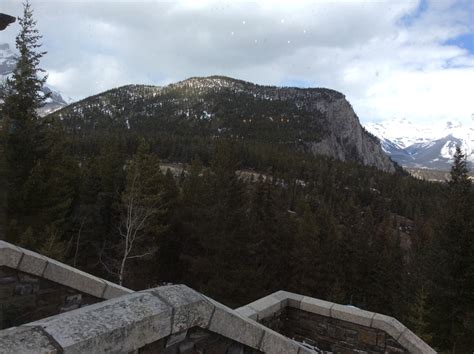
334,230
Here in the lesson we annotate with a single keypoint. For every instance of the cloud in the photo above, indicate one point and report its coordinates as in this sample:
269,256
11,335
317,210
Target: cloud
390,58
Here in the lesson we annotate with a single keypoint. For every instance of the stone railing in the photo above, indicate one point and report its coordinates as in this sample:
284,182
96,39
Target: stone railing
174,319
160,320
333,327
35,264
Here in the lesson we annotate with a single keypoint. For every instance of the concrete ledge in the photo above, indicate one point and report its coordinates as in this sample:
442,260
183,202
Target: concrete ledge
389,325
38,265
10,255
319,307
130,322
263,308
74,278
231,325
26,340
290,299
275,343
113,290
267,306
120,325
190,309
247,312
33,263
352,314
414,344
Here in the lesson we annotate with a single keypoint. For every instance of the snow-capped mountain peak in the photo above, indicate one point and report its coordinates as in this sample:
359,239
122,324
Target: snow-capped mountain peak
425,145
8,60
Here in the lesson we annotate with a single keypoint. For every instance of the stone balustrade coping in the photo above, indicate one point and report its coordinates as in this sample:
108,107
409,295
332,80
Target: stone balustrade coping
38,265
271,305
130,322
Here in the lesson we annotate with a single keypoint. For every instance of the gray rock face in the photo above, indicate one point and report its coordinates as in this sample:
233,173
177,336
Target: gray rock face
348,140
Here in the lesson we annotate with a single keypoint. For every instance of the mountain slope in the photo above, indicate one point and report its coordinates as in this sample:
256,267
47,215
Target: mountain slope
317,121
424,146
7,65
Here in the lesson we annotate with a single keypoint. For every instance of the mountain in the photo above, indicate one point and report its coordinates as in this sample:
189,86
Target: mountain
7,64
316,120
424,146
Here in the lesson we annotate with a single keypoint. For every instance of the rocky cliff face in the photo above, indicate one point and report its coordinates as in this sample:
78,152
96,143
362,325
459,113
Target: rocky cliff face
320,121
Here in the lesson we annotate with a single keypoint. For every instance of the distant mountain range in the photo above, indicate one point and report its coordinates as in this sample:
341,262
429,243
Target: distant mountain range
424,146
7,64
316,120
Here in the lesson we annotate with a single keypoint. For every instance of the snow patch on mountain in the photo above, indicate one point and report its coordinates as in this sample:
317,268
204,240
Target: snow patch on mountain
56,100
425,145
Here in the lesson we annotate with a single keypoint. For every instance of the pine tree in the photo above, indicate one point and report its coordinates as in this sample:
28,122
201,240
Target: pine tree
23,97
24,134
453,303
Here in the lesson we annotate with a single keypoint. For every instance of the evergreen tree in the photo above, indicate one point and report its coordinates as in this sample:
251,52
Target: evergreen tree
453,303
23,97
40,177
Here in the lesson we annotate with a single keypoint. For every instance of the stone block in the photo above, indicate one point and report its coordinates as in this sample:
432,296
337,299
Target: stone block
275,343
319,307
33,263
191,309
247,311
389,325
292,300
411,342
74,278
266,306
10,255
114,290
231,325
122,324
352,314
26,340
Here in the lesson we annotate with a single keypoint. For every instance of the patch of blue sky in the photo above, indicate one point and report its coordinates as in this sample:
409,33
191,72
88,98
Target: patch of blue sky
465,41
408,19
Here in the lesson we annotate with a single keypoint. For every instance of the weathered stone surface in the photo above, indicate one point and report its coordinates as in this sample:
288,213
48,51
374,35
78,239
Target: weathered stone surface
388,324
292,299
352,314
319,307
10,255
247,311
119,325
266,306
190,308
231,325
114,290
33,263
277,344
74,278
25,340
414,344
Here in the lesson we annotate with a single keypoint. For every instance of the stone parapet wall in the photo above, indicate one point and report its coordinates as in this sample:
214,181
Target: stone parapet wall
35,264
332,327
25,298
196,340
147,320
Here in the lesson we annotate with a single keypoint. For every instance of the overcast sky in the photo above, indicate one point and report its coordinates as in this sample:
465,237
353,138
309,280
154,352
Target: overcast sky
396,58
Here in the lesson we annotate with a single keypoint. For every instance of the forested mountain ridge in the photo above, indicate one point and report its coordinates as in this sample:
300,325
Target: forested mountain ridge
318,121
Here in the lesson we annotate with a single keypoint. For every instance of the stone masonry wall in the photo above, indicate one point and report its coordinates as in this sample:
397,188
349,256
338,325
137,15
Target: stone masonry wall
25,298
330,334
196,340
